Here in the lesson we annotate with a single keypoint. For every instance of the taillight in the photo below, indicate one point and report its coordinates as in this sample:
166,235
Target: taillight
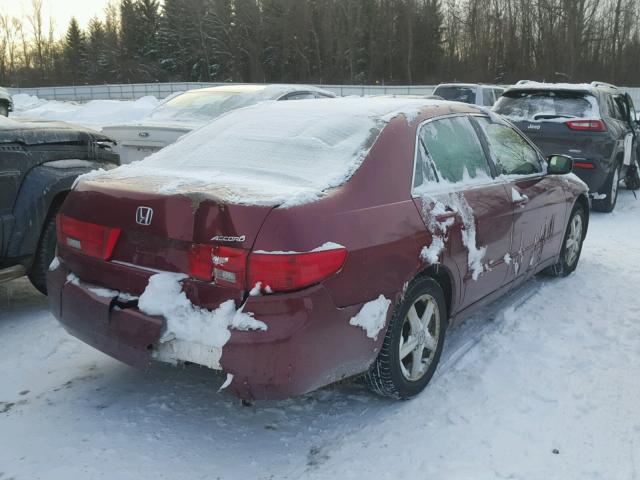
91,239
292,271
277,272
225,265
586,125
587,165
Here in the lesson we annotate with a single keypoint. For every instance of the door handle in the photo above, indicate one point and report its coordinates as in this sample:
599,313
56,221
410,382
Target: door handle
443,217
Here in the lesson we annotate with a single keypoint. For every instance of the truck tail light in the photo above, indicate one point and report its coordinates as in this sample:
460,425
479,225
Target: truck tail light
587,165
93,240
586,125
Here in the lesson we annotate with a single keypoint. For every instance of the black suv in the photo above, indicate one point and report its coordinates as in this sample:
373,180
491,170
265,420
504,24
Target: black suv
39,163
593,123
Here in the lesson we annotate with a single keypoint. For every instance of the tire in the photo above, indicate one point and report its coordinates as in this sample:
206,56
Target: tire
632,178
44,255
608,203
4,109
393,376
572,244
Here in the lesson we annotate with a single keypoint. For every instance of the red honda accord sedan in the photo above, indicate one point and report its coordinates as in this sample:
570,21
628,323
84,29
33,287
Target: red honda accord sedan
295,244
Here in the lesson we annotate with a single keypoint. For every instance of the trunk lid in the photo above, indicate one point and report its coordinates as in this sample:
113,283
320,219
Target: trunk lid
157,231
553,137
136,142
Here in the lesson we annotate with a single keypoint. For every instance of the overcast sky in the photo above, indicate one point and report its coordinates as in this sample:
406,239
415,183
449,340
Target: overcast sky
60,10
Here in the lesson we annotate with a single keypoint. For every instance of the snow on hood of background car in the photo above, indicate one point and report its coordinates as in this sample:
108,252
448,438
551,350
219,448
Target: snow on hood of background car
95,113
277,153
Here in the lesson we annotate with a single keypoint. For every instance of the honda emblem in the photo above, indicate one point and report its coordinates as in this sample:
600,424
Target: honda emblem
144,215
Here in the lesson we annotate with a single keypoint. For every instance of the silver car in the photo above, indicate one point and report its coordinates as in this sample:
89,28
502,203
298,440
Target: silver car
179,114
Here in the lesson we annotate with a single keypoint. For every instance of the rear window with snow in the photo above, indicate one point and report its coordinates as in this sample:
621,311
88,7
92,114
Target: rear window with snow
202,106
546,105
277,153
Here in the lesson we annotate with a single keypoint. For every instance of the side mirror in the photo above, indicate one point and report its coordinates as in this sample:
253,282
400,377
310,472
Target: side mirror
559,164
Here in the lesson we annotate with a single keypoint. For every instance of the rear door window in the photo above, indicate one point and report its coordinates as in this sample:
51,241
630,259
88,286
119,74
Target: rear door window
488,98
547,105
619,107
511,153
457,94
449,151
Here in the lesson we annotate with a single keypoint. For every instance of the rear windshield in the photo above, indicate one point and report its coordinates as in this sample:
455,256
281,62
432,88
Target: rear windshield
457,94
202,106
546,105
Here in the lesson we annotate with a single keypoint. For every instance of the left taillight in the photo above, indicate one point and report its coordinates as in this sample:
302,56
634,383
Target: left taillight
91,239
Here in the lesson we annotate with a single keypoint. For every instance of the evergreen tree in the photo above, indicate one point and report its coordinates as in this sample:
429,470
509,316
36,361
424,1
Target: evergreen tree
75,53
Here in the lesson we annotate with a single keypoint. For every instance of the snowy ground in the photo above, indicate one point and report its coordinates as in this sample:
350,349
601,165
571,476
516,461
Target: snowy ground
93,114
542,385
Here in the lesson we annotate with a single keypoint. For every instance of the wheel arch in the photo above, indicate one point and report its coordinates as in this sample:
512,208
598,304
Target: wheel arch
583,201
42,190
444,277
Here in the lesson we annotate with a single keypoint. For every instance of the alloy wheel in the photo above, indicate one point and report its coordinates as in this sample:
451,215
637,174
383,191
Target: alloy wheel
419,338
574,240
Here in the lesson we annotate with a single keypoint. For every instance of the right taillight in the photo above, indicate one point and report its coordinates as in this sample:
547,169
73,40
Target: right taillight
225,265
284,272
586,125
88,238
276,272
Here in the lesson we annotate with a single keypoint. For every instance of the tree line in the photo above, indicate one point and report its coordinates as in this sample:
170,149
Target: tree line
328,42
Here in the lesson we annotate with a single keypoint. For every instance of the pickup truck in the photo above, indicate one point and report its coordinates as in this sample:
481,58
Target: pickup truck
39,163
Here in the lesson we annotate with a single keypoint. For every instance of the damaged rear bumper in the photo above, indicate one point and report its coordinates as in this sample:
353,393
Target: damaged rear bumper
308,343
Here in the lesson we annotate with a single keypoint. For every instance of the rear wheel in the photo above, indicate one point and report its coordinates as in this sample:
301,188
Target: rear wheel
44,255
608,203
632,177
572,244
4,109
413,342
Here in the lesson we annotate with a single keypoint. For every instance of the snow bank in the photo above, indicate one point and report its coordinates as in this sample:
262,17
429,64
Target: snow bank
94,114
277,153
372,316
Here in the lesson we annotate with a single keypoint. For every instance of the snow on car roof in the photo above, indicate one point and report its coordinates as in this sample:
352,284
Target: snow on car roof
266,90
530,85
276,153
